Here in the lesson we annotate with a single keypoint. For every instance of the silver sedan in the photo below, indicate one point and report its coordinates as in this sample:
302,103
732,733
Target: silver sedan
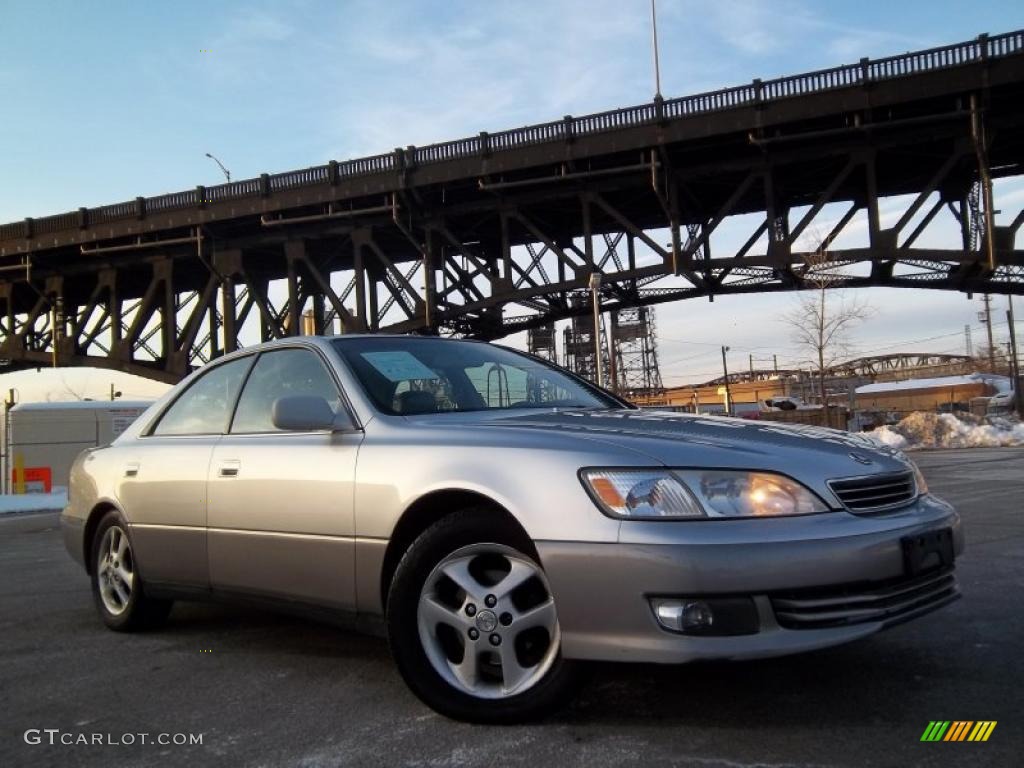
500,519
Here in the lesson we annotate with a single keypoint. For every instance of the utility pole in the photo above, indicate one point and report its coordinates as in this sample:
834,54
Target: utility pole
8,404
1018,395
613,366
728,393
967,340
58,321
986,316
114,394
775,365
595,289
751,367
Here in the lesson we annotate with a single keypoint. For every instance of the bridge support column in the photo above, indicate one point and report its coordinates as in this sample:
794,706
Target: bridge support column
113,320
429,279
980,141
871,201
359,265
294,252
9,338
164,272
228,264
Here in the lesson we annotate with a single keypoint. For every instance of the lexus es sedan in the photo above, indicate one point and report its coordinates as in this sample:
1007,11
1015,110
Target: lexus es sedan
500,519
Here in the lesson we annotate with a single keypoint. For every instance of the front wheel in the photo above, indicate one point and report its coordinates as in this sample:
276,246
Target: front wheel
473,625
117,588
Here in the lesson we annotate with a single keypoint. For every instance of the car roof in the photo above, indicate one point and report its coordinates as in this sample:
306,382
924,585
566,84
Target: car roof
321,339
324,340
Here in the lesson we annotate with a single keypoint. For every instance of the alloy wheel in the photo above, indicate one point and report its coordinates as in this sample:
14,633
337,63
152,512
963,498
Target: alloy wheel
487,621
115,570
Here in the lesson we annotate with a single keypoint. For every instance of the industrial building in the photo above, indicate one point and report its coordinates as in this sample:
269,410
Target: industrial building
896,383
43,439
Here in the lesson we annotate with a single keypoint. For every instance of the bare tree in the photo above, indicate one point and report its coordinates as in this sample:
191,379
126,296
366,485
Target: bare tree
821,320
993,359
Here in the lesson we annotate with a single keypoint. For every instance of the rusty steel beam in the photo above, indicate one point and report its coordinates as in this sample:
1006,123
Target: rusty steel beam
497,234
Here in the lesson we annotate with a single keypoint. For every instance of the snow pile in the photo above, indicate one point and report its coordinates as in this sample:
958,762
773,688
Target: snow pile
34,502
944,430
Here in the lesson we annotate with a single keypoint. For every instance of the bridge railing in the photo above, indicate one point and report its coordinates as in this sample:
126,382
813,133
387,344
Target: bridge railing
233,190
303,178
365,165
756,93
173,201
111,212
57,223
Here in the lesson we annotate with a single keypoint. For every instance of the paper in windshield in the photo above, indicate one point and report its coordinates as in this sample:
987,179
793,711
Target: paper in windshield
398,366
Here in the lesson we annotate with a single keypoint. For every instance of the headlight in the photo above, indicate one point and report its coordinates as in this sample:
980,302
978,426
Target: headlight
750,494
640,494
698,493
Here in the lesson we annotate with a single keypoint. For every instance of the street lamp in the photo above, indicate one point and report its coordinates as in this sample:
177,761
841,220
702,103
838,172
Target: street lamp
227,173
657,67
595,290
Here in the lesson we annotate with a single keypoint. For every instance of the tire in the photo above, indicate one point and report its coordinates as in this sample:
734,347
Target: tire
515,672
117,588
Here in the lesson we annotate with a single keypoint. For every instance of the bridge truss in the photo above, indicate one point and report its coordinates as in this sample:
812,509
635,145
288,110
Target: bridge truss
499,233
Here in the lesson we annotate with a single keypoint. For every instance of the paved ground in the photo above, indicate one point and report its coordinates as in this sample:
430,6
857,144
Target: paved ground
273,691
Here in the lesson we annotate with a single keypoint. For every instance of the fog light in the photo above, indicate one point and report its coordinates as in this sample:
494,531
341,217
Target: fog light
684,615
707,616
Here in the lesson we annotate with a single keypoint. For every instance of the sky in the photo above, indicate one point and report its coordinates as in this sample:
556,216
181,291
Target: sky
101,102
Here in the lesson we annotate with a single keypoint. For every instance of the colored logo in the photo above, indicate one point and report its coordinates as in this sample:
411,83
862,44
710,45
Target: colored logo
958,730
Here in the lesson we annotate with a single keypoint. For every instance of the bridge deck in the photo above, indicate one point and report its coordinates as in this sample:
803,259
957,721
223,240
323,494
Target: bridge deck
780,107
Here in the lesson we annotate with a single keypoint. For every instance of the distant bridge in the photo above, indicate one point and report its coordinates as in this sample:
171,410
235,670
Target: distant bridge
498,233
896,365
893,366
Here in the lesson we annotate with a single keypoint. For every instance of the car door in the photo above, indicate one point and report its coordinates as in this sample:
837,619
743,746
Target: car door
163,483
281,519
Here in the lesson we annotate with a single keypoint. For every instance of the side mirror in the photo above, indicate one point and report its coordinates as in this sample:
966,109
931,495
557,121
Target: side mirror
307,413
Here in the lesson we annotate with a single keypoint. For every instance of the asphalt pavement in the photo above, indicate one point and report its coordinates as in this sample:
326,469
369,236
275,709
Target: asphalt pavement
264,690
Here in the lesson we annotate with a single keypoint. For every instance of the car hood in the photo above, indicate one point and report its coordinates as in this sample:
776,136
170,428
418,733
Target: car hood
680,440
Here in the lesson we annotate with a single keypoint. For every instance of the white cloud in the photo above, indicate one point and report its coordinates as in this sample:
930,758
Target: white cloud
254,27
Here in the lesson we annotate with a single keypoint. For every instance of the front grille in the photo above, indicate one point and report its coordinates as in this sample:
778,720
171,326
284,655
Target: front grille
889,602
875,493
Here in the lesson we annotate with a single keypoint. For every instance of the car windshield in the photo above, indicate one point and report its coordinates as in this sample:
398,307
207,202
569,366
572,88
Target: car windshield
416,375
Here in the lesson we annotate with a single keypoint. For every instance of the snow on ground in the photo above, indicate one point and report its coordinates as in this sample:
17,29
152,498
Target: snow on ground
944,430
33,502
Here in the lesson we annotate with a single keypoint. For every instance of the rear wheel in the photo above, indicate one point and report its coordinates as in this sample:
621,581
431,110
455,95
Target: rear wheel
117,588
473,625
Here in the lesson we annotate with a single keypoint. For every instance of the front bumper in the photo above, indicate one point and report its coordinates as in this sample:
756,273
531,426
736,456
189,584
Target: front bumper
603,591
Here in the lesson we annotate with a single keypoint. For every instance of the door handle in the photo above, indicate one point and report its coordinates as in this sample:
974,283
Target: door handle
131,469
229,468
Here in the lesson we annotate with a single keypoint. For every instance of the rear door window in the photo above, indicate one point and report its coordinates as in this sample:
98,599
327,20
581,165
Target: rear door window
205,407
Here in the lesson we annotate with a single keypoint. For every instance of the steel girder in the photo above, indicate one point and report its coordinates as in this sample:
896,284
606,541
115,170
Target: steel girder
523,262
501,243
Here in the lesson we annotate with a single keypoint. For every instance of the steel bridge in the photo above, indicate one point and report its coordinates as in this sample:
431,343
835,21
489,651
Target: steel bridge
499,232
894,366
903,364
